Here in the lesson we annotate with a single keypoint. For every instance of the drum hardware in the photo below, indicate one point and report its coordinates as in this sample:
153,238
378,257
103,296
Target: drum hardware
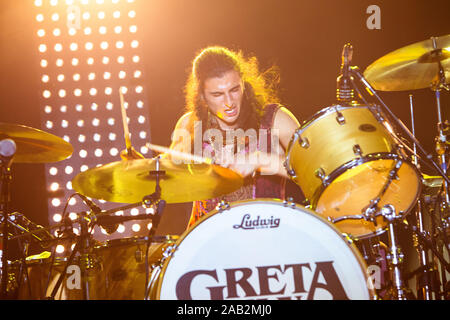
395,255
212,270
154,199
6,157
223,205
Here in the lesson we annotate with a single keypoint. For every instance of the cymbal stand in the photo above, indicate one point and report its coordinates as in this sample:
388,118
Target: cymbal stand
6,179
423,283
441,140
439,224
355,70
150,200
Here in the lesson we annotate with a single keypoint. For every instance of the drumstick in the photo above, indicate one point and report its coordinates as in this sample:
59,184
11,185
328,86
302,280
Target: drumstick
179,154
125,123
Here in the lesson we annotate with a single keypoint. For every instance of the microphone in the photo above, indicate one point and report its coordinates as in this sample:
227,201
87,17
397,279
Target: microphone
344,88
7,151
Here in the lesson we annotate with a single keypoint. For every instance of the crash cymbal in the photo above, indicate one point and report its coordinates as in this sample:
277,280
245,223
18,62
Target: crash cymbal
130,181
34,145
411,67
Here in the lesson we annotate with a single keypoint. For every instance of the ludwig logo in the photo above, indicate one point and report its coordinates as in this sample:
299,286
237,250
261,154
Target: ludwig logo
248,223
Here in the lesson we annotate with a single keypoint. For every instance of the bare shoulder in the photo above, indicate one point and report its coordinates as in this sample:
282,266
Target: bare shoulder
183,121
285,123
284,117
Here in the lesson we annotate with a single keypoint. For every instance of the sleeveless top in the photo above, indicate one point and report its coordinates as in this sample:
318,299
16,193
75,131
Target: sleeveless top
257,186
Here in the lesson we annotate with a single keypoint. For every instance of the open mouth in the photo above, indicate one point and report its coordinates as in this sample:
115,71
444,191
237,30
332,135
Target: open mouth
231,112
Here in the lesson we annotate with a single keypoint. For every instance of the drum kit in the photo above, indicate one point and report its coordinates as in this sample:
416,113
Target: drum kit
355,162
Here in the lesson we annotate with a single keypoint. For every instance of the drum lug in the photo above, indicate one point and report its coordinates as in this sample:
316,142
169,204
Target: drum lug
340,118
347,237
304,142
222,206
357,150
289,171
320,173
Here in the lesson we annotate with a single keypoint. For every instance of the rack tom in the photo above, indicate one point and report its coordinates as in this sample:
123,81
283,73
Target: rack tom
347,158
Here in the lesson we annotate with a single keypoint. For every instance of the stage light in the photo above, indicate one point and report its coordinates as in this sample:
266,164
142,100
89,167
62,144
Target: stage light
42,48
121,228
60,249
134,44
53,171
68,170
46,94
57,217
95,131
104,45
56,202
136,227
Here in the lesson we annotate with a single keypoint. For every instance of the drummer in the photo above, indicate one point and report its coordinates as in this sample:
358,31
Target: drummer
228,102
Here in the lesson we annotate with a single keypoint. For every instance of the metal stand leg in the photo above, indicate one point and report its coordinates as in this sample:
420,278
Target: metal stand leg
395,257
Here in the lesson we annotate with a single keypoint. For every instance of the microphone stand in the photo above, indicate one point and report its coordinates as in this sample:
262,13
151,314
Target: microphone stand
83,245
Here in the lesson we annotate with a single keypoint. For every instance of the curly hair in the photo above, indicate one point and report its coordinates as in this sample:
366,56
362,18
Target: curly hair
260,88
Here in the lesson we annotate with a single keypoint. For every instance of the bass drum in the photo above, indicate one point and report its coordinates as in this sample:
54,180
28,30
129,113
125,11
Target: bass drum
262,249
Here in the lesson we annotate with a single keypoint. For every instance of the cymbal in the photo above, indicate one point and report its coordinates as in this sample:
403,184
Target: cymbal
411,67
34,145
129,181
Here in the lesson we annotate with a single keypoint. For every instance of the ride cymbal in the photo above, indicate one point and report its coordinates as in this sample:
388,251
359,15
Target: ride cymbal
34,145
411,67
129,181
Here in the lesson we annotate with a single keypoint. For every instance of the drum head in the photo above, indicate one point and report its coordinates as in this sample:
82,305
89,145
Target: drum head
263,250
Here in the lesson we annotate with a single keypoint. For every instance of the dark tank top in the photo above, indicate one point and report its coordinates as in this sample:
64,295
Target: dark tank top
258,186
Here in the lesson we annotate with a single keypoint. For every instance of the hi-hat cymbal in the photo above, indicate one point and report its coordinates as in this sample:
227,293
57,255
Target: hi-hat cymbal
34,145
130,181
411,67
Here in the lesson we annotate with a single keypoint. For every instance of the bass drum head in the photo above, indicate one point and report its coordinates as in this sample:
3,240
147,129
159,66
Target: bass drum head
259,249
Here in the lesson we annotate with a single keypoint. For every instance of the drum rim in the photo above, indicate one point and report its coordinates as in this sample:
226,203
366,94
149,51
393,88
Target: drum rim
322,113
357,162
349,242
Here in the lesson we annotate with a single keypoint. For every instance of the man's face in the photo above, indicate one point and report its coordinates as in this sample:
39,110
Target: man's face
223,95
